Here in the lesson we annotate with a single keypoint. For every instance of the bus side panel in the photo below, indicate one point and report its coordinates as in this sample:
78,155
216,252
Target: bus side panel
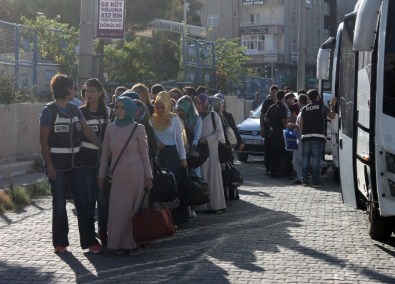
385,111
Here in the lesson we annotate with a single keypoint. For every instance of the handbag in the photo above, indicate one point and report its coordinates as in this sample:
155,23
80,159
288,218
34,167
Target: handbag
230,134
164,187
192,189
224,152
290,139
231,175
108,178
201,154
152,224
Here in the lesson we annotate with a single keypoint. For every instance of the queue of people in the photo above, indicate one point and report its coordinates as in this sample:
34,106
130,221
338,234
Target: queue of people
81,145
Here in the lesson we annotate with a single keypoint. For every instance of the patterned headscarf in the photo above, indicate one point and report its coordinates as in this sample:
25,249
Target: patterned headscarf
162,122
216,103
185,104
141,113
129,112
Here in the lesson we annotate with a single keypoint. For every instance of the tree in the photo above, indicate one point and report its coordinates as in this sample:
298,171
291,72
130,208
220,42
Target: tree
230,61
57,41
142,60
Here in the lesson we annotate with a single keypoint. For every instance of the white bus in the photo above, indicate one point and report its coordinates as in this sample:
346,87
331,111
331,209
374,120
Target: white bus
363,80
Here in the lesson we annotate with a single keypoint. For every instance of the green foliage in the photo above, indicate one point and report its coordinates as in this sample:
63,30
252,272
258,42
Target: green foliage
9,94
56,41
142,60
19,196
39,189
230,62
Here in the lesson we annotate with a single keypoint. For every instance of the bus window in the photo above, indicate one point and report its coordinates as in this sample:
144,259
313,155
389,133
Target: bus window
347,76
389,64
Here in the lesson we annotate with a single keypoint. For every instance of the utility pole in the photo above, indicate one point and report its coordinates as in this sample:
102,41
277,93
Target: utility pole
85,58
301,46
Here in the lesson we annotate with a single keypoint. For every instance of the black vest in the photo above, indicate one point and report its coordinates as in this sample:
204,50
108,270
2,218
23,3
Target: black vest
313,122
97,122
65,138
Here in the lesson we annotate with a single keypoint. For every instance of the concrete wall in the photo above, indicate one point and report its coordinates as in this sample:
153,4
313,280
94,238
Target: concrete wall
19,128
19,131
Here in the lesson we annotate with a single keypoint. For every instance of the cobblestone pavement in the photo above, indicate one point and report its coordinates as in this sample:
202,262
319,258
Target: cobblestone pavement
276,233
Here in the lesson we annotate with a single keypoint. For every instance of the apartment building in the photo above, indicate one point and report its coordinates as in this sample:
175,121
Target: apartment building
269,29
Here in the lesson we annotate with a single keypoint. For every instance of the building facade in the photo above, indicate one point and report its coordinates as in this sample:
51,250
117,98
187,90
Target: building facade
269,30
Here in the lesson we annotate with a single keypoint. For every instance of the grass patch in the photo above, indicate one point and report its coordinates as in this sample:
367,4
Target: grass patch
6,203
19,196
39,189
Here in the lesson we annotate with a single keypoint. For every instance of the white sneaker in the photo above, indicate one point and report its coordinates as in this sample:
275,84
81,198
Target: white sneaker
193,214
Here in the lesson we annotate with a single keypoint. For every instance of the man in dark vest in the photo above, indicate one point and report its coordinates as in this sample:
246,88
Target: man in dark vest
61,128
313,136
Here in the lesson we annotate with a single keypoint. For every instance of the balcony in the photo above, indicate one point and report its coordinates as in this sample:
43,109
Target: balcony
248,28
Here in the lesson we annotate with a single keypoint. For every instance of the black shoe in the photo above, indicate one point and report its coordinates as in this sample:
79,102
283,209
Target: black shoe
274,176
297,182
305,183
317,185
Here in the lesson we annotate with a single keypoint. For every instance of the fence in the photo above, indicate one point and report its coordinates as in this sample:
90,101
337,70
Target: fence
20,56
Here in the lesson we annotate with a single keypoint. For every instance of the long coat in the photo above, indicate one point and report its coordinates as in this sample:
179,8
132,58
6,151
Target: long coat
127,189
211,169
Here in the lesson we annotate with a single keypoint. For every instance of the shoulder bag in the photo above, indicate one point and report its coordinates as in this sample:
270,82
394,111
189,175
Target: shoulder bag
164,187
192,189
108,178
224,152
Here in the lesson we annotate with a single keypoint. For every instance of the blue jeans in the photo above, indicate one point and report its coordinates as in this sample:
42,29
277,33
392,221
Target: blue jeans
76,179
95,194
312,149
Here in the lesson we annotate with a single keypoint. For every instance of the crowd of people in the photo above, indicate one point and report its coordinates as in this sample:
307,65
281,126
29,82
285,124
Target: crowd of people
306,117
82,142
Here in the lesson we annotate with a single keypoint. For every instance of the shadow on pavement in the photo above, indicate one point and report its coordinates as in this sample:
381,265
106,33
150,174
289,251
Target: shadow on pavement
22,274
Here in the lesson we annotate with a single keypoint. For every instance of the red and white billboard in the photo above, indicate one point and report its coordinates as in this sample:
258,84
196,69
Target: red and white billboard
111,19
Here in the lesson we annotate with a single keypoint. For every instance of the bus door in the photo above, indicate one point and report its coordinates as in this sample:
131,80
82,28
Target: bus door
347,111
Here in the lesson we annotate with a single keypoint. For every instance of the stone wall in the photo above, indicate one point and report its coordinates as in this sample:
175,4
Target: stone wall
19,128
19,131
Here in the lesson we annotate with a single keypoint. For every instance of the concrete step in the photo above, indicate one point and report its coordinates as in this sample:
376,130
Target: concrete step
15,169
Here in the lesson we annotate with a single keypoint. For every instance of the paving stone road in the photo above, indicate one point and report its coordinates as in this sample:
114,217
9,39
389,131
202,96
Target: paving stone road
276,233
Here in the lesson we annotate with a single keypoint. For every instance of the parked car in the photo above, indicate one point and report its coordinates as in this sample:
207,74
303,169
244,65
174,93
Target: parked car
250,132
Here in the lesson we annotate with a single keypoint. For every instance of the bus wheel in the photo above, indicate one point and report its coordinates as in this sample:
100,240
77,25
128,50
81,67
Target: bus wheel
379,227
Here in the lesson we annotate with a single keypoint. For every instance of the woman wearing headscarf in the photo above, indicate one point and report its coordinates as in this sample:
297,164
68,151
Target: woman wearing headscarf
212,133
169,132
171,140
192,122
193,128
142,115
131,176
218,105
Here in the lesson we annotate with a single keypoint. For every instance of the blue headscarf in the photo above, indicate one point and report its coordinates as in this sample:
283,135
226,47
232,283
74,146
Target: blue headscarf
130,108
131,95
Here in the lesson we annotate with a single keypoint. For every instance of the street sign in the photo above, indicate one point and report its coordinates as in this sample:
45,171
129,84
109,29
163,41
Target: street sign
111,19
165,25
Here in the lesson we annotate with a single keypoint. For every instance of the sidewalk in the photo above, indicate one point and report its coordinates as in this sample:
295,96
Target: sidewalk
24,179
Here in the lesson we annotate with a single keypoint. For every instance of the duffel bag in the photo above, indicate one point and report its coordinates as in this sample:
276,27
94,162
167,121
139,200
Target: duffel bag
192,190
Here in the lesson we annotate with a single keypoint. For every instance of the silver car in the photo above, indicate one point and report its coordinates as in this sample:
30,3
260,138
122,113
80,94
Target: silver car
250,132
